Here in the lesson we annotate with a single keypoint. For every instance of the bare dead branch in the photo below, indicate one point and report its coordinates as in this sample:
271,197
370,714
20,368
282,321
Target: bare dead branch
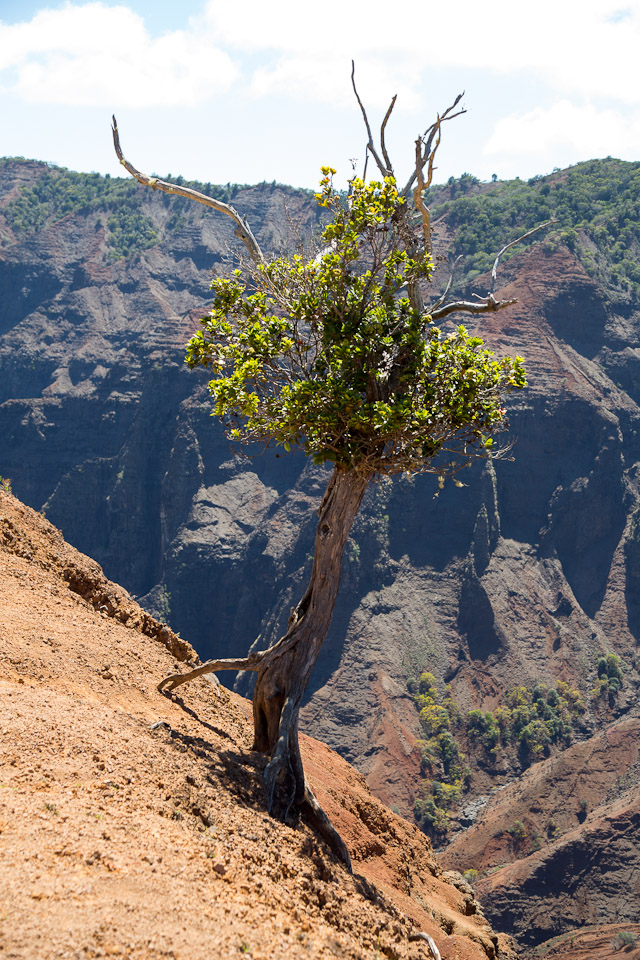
243,230
422,185
430,157
418,198
370,144
382,129
428,135
252,662
487,305
529,233
425,155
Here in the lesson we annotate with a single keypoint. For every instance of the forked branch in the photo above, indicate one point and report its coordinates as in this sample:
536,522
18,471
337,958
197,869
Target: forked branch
488,304
428,151
419,182
421,186
243,230
385,168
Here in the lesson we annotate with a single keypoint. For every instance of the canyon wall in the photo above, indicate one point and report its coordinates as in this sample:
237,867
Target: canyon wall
529,572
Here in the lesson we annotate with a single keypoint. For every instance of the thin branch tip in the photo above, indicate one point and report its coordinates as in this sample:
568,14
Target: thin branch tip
507,246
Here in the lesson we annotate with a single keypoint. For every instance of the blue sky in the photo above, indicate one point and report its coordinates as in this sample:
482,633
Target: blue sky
247,91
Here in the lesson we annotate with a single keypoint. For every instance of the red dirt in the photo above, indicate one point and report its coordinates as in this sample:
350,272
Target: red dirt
133,825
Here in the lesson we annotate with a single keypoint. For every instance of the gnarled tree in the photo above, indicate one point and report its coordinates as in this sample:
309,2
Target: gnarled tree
338,353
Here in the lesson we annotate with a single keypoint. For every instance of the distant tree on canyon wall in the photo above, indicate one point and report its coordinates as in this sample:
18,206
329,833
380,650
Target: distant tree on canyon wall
339,353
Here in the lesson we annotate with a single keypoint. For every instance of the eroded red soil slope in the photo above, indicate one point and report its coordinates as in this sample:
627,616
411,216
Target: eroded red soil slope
133,825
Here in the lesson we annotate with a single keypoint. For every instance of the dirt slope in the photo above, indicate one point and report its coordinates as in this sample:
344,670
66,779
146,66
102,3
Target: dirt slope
132,825
593,943
551,798
589,876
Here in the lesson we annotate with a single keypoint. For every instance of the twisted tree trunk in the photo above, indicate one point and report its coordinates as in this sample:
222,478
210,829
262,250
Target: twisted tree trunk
283,670
283,679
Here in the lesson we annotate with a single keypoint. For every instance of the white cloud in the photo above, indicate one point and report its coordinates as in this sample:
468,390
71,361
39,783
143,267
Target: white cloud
326,79
592,49
93,55
285,68
567,129
89,53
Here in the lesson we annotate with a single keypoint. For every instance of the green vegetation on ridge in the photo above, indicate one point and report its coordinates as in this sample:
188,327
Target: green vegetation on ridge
597,205
526,726
59,193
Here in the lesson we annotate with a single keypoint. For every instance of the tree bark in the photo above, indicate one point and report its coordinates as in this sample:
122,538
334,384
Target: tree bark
283,678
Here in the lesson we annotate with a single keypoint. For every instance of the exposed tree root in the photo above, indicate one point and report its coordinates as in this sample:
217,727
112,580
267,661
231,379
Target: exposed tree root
320,821
287,791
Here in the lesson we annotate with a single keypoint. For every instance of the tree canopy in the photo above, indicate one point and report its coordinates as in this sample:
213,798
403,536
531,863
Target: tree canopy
328,352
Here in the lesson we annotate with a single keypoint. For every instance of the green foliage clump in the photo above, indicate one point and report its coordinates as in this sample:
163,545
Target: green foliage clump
58,193
518,833
531,721
130,232
595,203
484,729
535,719
5,484
61,193
609,680
624,939
442,759
329,354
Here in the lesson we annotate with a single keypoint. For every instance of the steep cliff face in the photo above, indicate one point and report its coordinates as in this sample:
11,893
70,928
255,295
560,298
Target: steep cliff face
526,573
529,572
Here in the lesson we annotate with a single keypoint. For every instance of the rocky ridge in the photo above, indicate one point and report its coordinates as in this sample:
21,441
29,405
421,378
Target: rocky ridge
573,861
